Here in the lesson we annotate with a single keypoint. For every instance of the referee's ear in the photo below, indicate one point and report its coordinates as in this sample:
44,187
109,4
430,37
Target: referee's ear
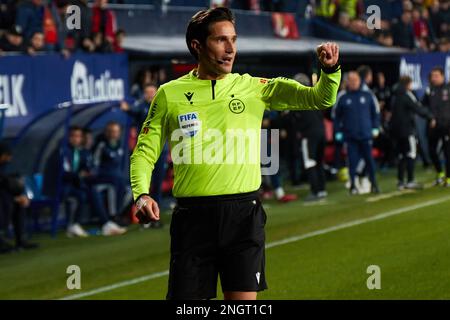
197,46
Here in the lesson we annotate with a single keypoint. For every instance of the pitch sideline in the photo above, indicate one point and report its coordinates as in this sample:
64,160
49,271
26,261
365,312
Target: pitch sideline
273,244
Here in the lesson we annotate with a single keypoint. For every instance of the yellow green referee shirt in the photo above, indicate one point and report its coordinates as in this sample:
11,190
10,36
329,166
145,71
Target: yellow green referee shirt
199,118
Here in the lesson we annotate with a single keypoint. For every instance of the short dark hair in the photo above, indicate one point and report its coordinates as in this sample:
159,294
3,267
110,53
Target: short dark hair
75,128
113,123
438,69
363,71
198,27
405,81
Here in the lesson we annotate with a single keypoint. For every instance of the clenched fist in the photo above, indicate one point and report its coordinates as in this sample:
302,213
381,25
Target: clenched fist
328,54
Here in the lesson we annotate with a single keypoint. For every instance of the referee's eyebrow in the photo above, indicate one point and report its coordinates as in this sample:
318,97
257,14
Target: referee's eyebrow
222,36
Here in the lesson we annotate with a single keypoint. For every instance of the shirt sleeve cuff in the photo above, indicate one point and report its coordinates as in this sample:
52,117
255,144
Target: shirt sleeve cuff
141,195
332,69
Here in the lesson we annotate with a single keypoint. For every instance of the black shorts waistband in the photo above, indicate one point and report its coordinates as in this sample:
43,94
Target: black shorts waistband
183,201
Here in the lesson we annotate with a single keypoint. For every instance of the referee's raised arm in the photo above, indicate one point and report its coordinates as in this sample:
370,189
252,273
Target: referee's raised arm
287,94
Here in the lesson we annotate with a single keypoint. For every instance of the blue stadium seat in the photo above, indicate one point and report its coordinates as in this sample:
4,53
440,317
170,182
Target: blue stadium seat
33,188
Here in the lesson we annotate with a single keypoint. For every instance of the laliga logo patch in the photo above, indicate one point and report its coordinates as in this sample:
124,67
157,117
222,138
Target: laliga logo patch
189,123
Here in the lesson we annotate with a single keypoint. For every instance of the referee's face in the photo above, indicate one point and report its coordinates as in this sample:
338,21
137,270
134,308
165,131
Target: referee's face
217,56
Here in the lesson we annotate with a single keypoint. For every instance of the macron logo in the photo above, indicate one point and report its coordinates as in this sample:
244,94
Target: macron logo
189,95
258,274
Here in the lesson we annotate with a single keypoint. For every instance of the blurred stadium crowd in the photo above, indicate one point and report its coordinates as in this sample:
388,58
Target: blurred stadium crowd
372,126
33,26
423,25
40,26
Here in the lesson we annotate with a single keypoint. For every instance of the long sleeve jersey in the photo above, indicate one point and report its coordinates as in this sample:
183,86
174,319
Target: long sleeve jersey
214,129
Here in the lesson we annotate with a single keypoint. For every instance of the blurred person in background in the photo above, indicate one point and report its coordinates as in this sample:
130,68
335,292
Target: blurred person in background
312,131
402,31
338,168
82,35
357,123
108,160
7,13
88,140
118,41
272,186
13,204
437,99
104,25
144,77
327,9
366,75
30,17
12,41
403,130
139,110
77,176
37,44
384,142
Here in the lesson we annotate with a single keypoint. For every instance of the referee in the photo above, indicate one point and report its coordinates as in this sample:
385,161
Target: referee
217,227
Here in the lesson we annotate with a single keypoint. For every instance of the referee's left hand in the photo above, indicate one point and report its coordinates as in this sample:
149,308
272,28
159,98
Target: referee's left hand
328,54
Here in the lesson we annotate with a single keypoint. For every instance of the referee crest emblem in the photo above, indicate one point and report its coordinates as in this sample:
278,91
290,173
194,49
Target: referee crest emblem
189,123
236,106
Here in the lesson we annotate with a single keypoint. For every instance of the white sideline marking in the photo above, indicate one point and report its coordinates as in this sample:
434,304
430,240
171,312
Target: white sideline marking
270,245
389,195
116,285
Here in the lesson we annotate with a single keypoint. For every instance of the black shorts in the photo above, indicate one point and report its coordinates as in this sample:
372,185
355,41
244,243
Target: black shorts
217,235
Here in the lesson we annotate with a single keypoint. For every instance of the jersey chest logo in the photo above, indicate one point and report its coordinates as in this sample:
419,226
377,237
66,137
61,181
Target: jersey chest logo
236,106
189,123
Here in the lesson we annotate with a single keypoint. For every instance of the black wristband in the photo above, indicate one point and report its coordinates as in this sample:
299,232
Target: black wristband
332,69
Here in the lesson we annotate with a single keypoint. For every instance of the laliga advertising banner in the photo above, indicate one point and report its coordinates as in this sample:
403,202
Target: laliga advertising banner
32,86
418,67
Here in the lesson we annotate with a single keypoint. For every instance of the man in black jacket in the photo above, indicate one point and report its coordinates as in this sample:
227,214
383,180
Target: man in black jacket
437,99
13,203
312,130
404,108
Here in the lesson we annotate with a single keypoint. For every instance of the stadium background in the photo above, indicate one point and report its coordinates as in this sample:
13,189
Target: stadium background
315,251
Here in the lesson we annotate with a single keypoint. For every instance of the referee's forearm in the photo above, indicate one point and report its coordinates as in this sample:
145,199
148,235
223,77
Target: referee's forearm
327,88
140,175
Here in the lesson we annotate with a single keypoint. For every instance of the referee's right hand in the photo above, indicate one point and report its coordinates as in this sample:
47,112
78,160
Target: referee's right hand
148,209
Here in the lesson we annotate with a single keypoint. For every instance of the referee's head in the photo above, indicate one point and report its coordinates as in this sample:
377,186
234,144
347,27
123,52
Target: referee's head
211,39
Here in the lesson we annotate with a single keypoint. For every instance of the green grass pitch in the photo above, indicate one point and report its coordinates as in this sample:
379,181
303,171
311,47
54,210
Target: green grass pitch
412,249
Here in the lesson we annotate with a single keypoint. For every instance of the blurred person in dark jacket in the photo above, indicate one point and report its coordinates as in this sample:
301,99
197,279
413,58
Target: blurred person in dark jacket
403,130
7,13
437,99
12,41
78,173
356,122
383,93
37,44
13,203
312,131
139,110
81,36
30,17
108,160
402,31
